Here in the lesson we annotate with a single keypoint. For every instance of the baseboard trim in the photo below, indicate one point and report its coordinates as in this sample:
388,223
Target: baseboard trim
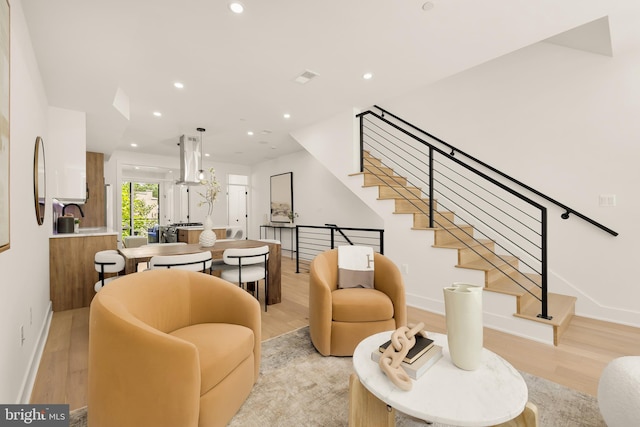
34,364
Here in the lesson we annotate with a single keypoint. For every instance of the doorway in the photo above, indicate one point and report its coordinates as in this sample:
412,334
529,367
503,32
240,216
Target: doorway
140,208
237,196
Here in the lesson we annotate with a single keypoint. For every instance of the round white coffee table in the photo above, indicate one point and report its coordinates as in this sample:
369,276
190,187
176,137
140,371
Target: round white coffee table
492,394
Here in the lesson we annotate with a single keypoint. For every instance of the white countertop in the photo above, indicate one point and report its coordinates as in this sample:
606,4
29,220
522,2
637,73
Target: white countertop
86,232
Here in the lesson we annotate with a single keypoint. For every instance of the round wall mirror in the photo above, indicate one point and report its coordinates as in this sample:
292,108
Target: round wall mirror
39,181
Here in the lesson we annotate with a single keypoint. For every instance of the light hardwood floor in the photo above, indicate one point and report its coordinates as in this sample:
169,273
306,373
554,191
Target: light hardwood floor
577,362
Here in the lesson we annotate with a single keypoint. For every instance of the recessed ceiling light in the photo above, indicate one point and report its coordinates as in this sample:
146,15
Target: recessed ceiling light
428,6
133,144
286,115
250,133
367,76
305,77
157,113
236,7
178,85
207,154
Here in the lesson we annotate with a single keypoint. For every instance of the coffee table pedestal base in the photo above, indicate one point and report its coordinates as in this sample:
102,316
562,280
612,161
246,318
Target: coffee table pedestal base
366,410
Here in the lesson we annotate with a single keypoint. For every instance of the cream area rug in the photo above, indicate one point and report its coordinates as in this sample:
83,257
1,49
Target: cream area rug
299,387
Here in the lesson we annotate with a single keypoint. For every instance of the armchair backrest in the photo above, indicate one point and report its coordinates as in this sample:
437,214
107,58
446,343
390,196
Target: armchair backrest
168,300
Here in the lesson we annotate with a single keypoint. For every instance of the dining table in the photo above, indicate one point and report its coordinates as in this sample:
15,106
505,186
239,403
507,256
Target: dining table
142,254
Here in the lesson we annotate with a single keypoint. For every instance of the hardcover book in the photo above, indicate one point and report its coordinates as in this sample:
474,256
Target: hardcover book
421,346
420,365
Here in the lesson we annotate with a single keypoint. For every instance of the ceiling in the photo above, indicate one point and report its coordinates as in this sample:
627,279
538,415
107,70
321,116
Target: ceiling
239,70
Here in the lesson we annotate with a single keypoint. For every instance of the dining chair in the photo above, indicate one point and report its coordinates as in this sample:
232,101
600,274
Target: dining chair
199,261
107,261
249,265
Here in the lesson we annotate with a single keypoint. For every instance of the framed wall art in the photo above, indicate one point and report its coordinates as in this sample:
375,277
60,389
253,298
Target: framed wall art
281,197
4,124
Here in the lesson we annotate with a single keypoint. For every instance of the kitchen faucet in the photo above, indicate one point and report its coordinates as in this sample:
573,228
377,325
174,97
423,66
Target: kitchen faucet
73,204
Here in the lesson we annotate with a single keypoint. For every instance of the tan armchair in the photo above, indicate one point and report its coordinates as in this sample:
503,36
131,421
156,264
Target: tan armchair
340,318
171,348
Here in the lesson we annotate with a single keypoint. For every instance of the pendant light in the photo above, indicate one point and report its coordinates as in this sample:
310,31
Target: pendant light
201,174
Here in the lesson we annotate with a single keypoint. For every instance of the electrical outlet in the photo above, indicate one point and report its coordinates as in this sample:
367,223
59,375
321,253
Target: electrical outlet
30,316
607,200
21,335
405,268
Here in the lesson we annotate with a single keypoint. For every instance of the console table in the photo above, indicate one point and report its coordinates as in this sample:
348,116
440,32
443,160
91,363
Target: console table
279,227
492,394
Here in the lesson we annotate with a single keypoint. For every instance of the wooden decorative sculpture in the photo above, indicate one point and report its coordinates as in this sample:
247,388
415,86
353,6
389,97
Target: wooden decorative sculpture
402,340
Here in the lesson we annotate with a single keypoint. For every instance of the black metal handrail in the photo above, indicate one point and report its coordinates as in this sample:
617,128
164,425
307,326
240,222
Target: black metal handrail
314,239
455,150
414,159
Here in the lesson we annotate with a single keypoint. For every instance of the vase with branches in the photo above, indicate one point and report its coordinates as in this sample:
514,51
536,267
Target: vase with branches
209,196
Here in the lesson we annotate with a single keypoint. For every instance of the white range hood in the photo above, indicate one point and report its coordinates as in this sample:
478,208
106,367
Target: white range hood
190,160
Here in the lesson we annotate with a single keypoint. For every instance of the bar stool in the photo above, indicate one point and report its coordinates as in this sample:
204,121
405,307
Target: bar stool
107,261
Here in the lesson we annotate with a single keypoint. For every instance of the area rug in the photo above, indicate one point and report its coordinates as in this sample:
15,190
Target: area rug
299,387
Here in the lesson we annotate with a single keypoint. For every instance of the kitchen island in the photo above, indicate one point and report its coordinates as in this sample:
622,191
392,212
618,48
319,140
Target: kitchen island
191,234
72,275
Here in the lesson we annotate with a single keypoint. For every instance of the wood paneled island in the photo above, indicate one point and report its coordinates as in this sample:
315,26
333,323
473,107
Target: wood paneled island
72,275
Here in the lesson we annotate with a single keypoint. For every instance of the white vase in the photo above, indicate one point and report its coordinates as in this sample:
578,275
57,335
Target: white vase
208,236
463,311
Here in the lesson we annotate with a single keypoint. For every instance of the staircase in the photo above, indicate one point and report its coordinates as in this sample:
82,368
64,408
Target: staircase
501,273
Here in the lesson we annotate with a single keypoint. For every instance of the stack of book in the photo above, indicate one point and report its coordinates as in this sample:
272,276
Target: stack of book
420,357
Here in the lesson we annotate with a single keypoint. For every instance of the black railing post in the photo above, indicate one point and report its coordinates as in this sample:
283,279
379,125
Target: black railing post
431,209
381,242
544,271
361,143
333,237
297,251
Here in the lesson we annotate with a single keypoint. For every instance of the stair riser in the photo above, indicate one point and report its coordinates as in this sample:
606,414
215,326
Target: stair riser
367,159
440,218
414,206
398,192
445,237
467,255
495,273
370,179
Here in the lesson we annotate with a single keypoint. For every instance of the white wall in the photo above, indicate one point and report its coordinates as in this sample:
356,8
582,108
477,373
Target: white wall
24,268
318,196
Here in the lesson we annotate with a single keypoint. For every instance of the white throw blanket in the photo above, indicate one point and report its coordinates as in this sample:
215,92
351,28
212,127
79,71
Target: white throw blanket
355,266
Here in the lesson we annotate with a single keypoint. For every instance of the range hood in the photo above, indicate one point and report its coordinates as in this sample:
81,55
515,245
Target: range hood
190,160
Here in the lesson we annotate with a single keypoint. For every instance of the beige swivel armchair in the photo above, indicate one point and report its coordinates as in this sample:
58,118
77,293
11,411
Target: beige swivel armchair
340,318
171,348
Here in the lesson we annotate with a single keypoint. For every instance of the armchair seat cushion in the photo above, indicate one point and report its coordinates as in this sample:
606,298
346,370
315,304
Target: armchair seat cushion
219,357
360,305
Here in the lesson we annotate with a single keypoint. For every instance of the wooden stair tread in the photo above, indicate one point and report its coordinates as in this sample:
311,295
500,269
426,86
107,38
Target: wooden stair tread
559,307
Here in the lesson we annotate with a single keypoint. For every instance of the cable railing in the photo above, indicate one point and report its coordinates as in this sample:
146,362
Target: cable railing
480,213
314,239
567,210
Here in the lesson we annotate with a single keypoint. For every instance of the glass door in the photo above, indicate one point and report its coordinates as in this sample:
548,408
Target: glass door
140,209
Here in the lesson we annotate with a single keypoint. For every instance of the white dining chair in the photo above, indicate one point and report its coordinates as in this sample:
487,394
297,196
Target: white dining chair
107,261
199,261
249,265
